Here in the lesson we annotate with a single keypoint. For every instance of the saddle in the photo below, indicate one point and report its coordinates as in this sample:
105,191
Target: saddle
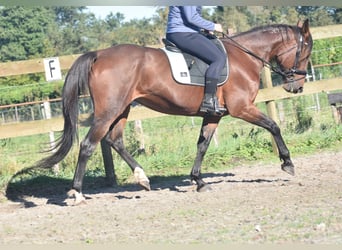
188,69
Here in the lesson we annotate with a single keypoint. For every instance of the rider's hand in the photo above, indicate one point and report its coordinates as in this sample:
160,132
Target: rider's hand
230,31
218,27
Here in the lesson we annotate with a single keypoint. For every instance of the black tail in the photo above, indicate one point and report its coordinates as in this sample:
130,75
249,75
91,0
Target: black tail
76,82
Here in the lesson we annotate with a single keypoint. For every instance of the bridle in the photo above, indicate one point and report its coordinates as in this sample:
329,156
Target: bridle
290,73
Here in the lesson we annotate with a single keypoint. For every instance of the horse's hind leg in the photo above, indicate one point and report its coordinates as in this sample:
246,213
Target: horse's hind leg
209,125
87,147
115,139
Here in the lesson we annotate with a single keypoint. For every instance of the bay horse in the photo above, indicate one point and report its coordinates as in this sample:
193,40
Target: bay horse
119,75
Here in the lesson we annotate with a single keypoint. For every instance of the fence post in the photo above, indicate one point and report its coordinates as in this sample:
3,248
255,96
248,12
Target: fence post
270,105
335,100
47,115
140,135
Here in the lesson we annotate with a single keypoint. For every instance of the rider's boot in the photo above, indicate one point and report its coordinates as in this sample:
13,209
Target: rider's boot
210,103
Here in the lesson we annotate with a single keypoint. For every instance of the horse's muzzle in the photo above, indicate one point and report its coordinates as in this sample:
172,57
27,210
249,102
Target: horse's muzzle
293,88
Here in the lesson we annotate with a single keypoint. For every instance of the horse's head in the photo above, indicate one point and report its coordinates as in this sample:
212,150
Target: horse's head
293,58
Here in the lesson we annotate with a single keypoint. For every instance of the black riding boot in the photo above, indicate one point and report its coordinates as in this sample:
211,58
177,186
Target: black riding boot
210,103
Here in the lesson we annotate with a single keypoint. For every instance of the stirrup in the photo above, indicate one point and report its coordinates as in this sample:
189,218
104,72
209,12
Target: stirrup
211,107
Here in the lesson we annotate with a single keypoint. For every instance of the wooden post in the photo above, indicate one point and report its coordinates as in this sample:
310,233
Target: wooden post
215,137
140,135
47,115
32,113
108,163
17,118
335,99
339,109
271,105
281,112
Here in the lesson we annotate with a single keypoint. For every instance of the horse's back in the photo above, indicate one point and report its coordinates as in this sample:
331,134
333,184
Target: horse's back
129,51
129,57
134,69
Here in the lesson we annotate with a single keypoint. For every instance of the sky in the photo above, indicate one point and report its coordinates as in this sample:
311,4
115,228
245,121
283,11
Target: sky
130,12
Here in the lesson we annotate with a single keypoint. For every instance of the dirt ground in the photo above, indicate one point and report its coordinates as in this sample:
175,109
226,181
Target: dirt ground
248,204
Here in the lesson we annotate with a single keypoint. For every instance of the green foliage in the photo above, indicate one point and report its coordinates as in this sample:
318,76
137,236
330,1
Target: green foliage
143,33
327,51
132,139
304,120
319,15
28,93
253,145
23,32
31,32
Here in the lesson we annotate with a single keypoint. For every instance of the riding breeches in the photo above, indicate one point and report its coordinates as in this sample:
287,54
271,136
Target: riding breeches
198,45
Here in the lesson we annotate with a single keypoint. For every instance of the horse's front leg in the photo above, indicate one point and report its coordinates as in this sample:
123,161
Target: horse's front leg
207,130
254,116
283,151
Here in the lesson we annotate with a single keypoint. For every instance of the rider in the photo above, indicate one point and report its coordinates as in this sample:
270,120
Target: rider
183,29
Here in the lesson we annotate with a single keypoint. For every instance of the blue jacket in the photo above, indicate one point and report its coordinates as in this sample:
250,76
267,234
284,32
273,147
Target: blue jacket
187,19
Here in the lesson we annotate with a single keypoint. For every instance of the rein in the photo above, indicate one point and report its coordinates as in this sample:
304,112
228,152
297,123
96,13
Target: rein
288,73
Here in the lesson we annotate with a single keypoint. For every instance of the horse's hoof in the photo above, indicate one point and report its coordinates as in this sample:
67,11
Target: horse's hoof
288,169
78,197
145,185
141,178
204,188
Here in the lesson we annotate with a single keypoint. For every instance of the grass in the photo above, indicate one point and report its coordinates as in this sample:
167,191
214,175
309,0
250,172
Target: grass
170,144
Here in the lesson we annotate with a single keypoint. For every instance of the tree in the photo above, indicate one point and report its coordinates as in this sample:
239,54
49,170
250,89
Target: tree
318,15
67,15
23,32
77,31
135,31
114,21
231,17
159,22
338,15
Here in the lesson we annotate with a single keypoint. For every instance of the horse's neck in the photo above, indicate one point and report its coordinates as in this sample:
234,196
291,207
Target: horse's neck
264,43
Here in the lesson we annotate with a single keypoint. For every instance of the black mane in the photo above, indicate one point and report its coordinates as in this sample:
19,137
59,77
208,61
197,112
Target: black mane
267,28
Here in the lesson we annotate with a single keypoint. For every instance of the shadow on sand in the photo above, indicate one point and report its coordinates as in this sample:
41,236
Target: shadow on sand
54,189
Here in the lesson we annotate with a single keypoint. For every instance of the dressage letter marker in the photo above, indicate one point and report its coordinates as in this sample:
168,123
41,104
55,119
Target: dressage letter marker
52,69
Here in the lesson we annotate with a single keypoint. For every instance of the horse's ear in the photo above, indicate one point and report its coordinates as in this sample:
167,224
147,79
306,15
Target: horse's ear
299,24
304,26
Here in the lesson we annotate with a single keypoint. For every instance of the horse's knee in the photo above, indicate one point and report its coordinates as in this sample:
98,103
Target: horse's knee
87,148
